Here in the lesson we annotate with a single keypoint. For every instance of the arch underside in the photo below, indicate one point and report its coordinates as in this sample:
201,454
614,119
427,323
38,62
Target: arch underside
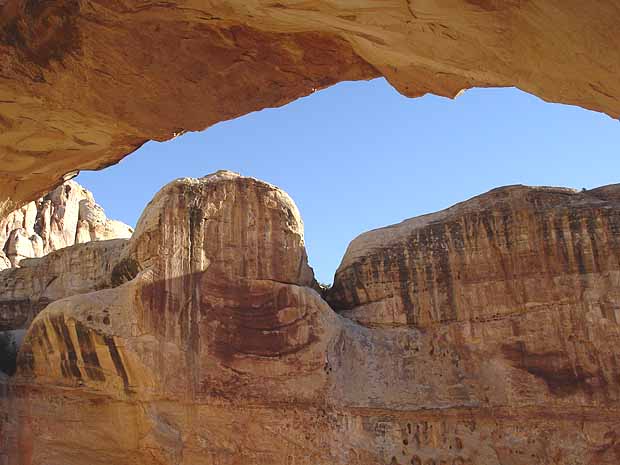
85,82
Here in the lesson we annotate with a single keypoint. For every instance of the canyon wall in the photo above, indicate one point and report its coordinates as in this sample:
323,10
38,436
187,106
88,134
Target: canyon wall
486,334
84,83
26,290
512,251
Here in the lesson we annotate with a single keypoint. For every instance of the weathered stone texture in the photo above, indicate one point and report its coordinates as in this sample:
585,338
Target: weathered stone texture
511,251
82,84
206,343
524,282
79,269
68,215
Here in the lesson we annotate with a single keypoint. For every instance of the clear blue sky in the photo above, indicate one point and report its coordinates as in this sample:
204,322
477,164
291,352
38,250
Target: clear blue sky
360,156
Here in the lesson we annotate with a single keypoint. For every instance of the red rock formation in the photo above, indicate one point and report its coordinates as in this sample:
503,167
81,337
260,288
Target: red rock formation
82,84
209,346
511,251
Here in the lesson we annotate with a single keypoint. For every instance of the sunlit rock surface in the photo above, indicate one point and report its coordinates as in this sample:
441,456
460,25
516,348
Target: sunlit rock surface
68,215
82,84
512,251
208,344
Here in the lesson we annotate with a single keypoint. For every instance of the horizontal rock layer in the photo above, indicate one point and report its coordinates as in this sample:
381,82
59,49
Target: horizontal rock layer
79,269
72,98
207,344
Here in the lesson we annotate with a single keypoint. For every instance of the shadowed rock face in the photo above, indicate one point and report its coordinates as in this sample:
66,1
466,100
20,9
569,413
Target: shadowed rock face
207,344
82,84
79,269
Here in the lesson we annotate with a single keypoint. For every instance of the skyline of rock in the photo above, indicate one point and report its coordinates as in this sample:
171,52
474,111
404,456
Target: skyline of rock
202,339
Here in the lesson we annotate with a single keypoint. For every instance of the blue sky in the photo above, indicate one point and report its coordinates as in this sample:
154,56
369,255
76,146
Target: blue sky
358,156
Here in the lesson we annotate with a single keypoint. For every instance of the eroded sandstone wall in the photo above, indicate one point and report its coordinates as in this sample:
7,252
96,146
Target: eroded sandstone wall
211,346
513,250
83,268
527,279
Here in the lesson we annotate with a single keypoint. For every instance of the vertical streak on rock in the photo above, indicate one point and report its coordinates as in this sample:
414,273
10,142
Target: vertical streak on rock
196,238
117,361
88,352
69,359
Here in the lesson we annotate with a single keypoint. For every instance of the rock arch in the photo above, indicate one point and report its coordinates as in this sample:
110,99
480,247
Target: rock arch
85,82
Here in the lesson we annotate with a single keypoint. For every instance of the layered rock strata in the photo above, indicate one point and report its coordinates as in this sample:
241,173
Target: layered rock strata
82,84
512,251
79,269
68,215
211,346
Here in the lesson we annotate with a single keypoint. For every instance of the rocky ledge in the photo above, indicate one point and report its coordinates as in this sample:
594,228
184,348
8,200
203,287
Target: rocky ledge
486,334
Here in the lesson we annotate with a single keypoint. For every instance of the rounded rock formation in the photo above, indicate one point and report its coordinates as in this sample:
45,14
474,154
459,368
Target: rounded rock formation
202,341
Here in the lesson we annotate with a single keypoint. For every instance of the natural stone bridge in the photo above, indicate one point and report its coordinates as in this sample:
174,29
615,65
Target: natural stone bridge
85,82
486,334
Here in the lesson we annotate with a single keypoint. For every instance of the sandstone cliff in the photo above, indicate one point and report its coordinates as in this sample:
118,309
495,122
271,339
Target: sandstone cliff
68,215
208,345
82,84
512,251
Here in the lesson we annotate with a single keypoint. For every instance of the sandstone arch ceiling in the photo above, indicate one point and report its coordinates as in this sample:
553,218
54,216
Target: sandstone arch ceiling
85,82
